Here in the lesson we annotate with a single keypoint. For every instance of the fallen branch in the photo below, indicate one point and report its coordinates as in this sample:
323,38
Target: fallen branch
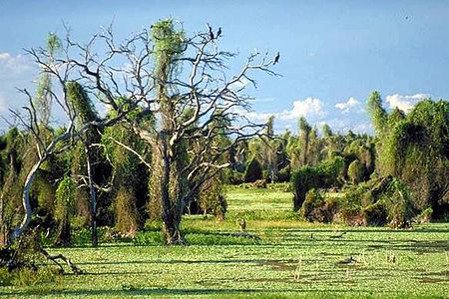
55,258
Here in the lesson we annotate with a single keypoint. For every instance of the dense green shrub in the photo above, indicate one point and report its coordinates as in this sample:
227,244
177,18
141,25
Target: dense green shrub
380,201
356,171
414,148
317,208
325,175
376,214
253,171
211,199
284,175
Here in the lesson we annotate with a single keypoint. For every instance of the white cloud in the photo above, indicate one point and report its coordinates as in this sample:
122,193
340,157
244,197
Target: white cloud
13,63
346,106
308,107
404,102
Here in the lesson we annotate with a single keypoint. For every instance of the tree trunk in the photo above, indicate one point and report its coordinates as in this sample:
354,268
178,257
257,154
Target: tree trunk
26,201
171,216
93,201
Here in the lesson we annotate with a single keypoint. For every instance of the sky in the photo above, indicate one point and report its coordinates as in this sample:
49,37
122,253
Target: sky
333,53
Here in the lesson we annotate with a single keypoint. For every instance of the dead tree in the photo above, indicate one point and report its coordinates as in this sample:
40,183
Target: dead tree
176,95
60,72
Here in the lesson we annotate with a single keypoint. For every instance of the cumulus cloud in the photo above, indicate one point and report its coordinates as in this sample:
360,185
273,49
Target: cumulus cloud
308,107
405,102
346,106
13,63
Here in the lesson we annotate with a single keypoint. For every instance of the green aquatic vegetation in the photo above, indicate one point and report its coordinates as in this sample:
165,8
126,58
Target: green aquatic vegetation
292,259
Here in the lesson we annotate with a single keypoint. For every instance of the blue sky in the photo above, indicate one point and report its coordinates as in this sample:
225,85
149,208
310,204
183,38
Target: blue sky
333,53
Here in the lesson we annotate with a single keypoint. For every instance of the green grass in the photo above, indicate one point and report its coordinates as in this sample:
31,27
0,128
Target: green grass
293,259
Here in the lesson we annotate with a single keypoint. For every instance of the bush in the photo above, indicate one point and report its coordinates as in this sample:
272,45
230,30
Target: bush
253,171
356,171
198,238
401,209
312,201
376,214
425,216
149,238
303,180
317,208
211,199
325,175
284,175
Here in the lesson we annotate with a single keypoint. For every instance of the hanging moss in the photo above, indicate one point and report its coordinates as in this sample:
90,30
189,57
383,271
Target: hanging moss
80,102
414,147
126,221
64,210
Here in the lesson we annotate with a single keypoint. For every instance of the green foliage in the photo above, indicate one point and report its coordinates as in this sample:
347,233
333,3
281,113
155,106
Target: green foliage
168,40
414,148
28,278
80,103
126,219
377,112
43,98
380,201
324,175
65,194
356,171
197,238
211,199
376,214
253,171
318,208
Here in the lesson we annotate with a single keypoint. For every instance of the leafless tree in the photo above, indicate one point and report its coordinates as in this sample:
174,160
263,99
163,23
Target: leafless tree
45,141
176,93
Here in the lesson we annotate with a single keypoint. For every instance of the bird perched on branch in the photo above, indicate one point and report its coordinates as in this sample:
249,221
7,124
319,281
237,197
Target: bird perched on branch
218,33
211,33
276,58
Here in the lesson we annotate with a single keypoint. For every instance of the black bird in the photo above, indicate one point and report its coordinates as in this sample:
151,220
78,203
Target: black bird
276,58
218,32
211,33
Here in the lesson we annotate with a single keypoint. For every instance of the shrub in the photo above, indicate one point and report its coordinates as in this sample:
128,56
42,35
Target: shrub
149,238
317,208
425,216
401,209
356,171
211,199
325,175
253,171
312,201
303,180
376,214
